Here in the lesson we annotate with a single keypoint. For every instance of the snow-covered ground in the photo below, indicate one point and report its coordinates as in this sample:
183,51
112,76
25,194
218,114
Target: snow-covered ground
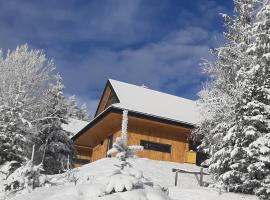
159,172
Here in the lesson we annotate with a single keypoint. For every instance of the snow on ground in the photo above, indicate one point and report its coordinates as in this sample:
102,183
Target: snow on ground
159,172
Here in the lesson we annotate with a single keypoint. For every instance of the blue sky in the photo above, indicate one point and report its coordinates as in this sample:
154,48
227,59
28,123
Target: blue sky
158,43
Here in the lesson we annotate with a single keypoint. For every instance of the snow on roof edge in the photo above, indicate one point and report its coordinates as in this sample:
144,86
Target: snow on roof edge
151,115
152,90
156,103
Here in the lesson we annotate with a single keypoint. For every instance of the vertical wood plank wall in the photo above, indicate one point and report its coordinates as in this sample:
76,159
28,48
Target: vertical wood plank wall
165,134
178,146
100,150
104,100
83,153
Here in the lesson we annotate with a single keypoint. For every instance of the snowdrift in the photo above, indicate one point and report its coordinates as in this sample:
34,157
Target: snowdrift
92,177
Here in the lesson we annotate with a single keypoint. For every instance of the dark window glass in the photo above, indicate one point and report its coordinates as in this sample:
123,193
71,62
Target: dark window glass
166,148
110,143
80,161
112,99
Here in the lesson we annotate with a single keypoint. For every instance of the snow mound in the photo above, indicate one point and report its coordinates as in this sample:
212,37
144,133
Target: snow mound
159,172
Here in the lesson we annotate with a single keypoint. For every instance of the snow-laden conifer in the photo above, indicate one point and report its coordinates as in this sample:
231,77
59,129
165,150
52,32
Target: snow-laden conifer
235,105
54,144
120,147
126,177
75,111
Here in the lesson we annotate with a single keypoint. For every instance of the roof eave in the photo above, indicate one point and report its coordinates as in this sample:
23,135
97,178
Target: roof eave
134,114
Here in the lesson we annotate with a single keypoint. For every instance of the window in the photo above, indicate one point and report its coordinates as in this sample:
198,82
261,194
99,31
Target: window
80,161
166,148
110,143
112,99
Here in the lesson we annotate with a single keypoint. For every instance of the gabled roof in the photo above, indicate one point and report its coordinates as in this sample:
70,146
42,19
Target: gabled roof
149,102
145,103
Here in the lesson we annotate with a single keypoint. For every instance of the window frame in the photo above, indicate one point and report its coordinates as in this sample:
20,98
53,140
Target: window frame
156,146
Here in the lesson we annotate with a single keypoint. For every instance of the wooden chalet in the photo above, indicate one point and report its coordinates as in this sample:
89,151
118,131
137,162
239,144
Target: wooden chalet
158,121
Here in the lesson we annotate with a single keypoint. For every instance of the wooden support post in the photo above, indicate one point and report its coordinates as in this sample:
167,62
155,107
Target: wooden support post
201,177
176,178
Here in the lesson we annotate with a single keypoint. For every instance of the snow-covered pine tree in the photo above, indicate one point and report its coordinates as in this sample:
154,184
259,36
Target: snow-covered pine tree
239,143
54,144
72,107
219,101
13,137
254,108
127,177
75,111
120,147
83,113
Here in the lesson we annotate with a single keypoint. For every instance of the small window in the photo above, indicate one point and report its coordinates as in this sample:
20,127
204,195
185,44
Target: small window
80,161
166,148
112,100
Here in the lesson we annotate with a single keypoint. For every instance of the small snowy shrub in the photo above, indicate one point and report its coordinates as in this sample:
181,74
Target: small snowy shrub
25,177
126,180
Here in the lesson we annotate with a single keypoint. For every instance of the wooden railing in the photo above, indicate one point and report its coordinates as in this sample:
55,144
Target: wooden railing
201,173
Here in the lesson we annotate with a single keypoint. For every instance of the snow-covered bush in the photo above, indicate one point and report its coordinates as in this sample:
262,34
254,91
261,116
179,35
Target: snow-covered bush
120,147
125,177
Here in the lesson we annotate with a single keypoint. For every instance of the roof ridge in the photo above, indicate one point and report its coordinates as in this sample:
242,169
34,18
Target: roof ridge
146,88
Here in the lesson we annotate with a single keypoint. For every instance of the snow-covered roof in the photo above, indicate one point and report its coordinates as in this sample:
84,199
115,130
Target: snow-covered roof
154,103
74,126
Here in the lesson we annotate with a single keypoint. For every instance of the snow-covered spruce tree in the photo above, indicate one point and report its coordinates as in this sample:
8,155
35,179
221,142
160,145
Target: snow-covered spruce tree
219,102
253,113
74,111
83,113
240,156
13,137
120,147
24,76
72,107
129,176
54,144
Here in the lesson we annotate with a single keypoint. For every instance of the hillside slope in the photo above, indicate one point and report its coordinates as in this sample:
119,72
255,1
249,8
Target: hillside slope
156,171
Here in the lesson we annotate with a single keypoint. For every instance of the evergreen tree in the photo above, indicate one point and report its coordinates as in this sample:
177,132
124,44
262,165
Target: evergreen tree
72,107
254,109
13,137
76,112
83,113
235,105
53,141
219,97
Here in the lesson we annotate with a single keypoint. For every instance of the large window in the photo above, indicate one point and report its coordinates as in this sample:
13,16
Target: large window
166,148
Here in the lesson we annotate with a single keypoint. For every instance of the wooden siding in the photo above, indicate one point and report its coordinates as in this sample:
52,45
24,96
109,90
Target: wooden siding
100,131
140,129
84,153
100,150
104,100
